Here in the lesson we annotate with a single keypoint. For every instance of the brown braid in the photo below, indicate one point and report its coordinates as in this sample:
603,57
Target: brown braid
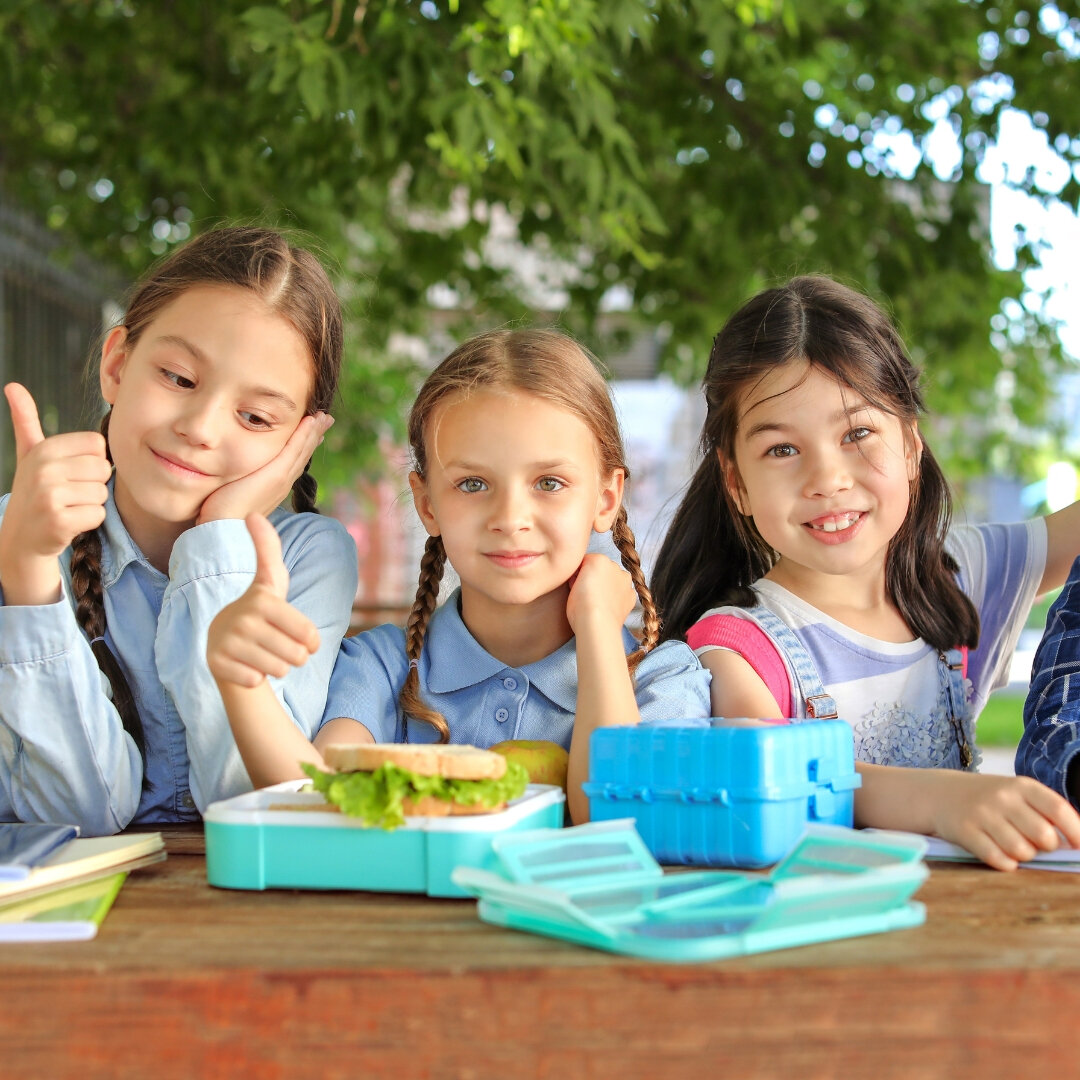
90,615
305,488
427,594
623,537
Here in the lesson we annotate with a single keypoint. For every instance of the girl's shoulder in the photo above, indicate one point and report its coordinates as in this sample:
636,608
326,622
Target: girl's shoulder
299,531
380,648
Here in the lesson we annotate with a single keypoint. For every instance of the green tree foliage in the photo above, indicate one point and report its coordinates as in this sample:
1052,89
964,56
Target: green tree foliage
687,151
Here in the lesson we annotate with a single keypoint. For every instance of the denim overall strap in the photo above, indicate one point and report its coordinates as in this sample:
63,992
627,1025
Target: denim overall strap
952,672
819,703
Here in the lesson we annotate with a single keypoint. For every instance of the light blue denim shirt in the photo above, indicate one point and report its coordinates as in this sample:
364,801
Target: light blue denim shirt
64,755
484,701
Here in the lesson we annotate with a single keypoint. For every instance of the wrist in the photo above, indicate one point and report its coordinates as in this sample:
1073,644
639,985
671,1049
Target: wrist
30,581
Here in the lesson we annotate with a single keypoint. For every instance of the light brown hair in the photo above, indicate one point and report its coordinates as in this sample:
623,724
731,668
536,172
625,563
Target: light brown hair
549,365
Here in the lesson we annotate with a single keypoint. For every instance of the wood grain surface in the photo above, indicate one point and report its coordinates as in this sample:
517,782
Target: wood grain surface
187,980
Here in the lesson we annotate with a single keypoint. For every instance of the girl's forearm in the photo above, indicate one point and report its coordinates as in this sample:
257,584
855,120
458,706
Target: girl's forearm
605,698
270,744
895,798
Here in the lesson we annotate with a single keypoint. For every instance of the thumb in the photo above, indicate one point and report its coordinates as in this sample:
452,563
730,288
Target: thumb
24,419
269,567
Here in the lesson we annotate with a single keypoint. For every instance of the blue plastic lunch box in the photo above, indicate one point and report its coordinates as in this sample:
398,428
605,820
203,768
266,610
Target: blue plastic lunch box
706,794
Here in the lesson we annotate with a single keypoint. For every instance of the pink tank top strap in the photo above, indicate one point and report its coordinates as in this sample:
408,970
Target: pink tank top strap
753,645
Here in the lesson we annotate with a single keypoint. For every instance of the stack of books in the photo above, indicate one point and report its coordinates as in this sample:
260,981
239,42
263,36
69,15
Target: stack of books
58,886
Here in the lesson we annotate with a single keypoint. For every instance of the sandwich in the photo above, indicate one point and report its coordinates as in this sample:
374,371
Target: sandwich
383,783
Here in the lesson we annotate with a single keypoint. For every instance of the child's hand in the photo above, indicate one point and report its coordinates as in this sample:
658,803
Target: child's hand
261,633
1004,820
59,491
266,488
601,590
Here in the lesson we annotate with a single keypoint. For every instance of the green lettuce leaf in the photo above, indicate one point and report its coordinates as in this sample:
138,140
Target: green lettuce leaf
377,798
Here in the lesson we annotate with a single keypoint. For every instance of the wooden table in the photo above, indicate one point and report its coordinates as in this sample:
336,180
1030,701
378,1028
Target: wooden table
185,980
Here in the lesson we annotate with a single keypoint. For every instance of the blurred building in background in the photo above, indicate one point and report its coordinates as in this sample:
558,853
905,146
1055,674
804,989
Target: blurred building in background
52,313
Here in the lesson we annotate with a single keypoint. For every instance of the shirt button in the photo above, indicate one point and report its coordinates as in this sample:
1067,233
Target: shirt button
502,715
509,683
188,802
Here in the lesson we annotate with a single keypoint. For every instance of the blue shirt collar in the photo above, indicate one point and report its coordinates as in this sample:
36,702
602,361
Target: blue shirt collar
456,660
117,547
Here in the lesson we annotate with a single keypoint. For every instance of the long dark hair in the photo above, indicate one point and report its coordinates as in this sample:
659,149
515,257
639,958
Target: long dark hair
712,554
549,365
292,283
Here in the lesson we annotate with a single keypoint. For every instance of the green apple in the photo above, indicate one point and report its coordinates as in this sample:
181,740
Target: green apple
545,762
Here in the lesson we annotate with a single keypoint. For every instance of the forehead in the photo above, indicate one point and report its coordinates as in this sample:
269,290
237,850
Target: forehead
237,334
794,387
506,423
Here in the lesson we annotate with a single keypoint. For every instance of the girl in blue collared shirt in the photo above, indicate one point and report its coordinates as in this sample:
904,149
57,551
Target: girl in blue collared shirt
117,549
518,460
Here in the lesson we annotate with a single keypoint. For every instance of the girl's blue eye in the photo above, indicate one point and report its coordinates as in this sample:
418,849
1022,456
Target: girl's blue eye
182,381
550,483
471,485
781,450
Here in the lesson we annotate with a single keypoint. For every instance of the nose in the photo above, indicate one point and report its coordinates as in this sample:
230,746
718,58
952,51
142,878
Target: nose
201,421
509,511
826,473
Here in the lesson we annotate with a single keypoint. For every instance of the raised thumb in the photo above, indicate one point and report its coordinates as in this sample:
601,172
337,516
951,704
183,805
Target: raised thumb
269,567
24,419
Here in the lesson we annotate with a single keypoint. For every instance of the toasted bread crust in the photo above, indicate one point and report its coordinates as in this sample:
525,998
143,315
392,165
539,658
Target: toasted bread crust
452,762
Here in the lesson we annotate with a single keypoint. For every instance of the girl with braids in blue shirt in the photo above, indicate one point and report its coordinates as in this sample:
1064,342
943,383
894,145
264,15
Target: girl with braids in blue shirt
517,461
118,548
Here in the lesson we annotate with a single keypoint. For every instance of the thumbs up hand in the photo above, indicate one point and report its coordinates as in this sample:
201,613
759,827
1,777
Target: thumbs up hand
59,491
261,633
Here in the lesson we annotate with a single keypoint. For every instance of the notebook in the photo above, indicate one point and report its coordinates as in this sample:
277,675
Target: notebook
24,845
1064,858
71,913
84,859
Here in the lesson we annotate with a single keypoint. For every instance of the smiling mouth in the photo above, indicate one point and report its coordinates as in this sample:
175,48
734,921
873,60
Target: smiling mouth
837,522
178,467
512,558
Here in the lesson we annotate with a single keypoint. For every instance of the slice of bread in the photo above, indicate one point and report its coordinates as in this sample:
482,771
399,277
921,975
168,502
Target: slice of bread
452,762
429,806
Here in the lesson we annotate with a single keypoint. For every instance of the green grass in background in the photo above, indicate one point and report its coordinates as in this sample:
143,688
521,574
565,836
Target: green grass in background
1001,723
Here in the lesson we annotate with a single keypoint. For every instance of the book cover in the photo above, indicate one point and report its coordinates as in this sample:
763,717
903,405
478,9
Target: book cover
71,913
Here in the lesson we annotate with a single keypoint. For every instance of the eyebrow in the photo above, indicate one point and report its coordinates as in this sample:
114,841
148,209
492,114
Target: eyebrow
835,418
255,391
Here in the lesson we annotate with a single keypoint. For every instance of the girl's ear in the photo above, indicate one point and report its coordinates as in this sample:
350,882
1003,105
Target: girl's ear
914,453
113,357
733,485
422,502
609,500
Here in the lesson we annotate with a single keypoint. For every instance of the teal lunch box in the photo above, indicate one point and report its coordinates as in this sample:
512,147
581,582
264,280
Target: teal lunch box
706,794
282,837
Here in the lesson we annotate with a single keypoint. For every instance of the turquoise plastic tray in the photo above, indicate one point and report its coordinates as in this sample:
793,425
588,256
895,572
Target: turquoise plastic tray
279,838
598,885
718,795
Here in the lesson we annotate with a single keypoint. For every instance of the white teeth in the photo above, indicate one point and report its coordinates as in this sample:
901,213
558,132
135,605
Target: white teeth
837,524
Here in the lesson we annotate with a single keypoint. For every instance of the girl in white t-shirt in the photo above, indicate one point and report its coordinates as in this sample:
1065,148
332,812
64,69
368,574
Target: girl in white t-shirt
812,568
